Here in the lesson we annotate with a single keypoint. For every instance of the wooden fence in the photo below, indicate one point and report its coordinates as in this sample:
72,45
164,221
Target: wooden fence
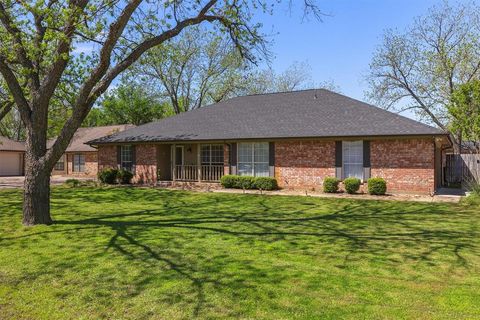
462,169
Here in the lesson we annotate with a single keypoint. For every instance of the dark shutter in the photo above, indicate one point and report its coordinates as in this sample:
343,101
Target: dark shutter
271,153
366,154
271,158
233,158
338,160
119,157
366,160
134,159
338,154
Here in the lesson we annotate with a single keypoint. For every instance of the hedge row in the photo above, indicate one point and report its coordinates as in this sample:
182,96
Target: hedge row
114,176
376,186
247,182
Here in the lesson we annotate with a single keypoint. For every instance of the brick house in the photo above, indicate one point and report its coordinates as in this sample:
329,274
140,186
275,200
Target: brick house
80,159
297,137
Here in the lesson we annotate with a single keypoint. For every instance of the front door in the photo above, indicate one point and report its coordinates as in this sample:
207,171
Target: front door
178,155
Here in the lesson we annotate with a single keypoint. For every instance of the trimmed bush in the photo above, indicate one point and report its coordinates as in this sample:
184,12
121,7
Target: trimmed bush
266,183
377,186
108,176
248,182
229,181
330,185
124,176
73,183
352,185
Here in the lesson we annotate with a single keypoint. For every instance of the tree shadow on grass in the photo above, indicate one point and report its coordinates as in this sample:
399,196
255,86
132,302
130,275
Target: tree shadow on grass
349,229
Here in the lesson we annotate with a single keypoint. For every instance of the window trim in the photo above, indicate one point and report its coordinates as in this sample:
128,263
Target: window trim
252,143
60,161
210,163
360,142
123,161
79,165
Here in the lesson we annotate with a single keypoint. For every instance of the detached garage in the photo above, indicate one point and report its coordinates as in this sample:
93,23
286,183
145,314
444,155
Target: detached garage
11,157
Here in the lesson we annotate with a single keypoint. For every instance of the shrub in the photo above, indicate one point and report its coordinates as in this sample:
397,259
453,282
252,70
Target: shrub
73,183
352,185
229,181
377,186
124,176
330,185
266,183
108,176
248,182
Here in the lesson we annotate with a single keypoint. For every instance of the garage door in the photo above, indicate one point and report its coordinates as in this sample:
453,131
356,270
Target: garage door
10,164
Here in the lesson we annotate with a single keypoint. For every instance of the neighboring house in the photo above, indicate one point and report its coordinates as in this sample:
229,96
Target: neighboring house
80,159
297,137
11,157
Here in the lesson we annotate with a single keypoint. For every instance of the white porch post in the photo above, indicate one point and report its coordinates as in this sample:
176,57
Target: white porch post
199,164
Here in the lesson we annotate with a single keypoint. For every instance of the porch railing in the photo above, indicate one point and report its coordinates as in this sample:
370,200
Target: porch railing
211,173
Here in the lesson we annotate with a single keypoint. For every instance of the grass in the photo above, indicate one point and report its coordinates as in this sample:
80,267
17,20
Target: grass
128,253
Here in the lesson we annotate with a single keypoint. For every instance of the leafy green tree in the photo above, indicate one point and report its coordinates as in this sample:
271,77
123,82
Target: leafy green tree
69,52
465,112
127,104
419,69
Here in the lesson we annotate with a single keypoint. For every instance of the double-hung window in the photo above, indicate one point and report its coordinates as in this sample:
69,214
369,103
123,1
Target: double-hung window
253,159
78,162
60,165
352,152
211,154
126,158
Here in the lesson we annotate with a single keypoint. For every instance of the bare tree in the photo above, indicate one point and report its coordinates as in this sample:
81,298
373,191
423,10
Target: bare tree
40,62
420,68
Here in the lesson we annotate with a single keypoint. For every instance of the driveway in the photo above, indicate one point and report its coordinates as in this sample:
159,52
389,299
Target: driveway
17,182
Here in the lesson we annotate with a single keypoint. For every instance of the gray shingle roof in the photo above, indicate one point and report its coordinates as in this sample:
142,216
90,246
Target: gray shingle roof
299,114
11,145
82,135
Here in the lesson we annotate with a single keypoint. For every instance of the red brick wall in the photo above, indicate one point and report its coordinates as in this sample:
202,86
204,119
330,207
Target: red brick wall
407,164
107,157
304,164
146,164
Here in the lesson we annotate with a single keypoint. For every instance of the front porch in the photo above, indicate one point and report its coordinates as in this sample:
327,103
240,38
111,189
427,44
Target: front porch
193,162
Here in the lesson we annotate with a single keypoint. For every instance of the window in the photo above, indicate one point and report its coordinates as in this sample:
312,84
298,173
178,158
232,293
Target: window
253,159
352,159
60,165
211,154
79,163
126,158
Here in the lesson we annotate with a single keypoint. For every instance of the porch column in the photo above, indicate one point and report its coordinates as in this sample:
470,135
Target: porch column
199,164
174,162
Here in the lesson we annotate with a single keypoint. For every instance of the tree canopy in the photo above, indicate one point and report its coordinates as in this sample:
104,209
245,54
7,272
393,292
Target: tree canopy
420,68
464,112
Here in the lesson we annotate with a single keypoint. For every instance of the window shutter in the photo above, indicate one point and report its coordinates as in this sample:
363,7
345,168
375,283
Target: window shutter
271,158
366,160
338,159
119,157
134,159
233,158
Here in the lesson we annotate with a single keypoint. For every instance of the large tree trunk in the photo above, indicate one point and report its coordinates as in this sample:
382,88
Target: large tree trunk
36,196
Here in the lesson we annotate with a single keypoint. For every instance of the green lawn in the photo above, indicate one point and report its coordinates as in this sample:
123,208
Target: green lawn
127,253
